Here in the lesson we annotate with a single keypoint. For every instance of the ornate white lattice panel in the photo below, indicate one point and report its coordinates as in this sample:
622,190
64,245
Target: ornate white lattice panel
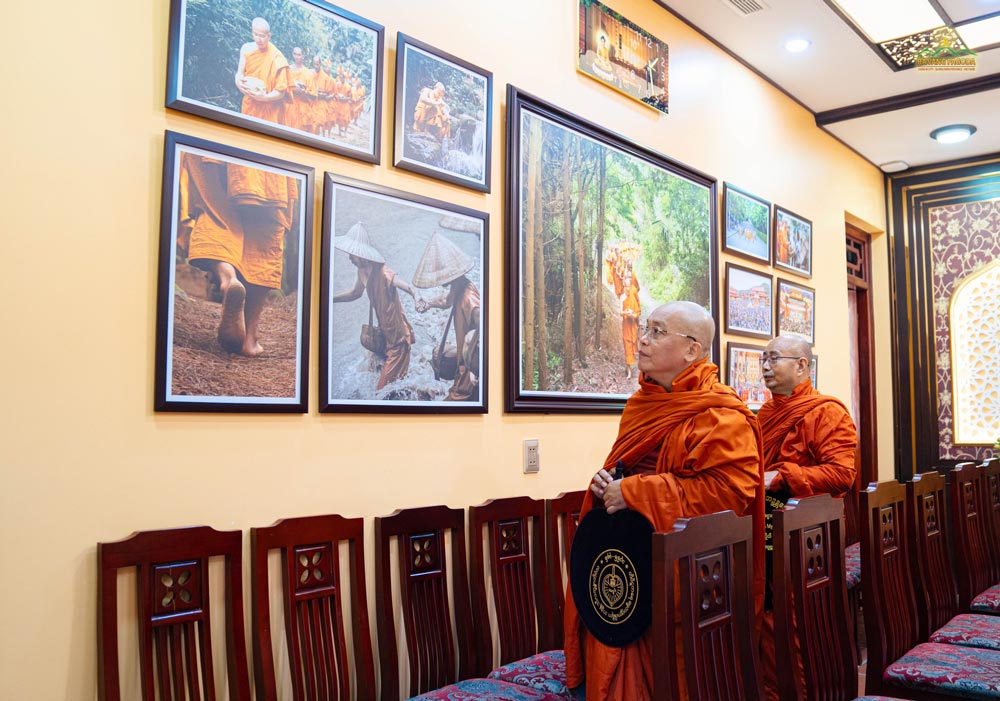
975,357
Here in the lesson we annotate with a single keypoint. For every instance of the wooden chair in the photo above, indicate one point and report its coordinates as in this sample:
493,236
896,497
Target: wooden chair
991,486
710,559
977,588
314,594
562,515
810,602
174,613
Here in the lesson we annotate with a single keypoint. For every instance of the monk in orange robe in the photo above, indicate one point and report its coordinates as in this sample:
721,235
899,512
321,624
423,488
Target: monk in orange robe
262,75
235,219
631,311
690,448
323,85
299,109
809,448
357,99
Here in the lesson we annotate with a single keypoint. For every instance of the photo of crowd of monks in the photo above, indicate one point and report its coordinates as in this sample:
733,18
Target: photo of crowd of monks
443,115
603,237
749,302
410,272
617,52
747,224
792,242
796,310
233,304
288,67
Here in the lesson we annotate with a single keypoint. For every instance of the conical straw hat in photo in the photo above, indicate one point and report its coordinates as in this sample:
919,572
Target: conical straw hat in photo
357,242
441,263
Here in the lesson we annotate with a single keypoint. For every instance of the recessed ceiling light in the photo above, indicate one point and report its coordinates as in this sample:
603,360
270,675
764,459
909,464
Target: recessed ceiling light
894,166
797,46
953,133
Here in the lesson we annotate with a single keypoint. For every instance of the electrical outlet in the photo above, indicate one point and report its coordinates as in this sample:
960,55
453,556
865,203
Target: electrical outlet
531,461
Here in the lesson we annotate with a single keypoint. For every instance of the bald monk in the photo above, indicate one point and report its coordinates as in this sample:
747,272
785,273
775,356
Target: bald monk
299,109
262,75
809,448
690,447
235,219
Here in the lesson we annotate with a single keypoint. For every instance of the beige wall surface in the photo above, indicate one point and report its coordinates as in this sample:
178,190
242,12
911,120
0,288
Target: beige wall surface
85,459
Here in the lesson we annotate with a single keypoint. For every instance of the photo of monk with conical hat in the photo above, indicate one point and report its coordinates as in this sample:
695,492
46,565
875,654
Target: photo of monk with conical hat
444,264
382,285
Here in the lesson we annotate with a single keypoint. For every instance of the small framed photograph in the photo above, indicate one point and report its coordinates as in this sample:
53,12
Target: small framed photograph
814,371
746,223
744,375
444,115
749,301
302,70
232,331
403,323
795,311
793,241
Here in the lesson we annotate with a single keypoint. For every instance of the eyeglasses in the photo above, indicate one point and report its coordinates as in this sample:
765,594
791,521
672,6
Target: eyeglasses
766,359
656,333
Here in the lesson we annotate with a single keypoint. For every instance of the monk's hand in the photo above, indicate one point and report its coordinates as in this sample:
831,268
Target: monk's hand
614,500
600,483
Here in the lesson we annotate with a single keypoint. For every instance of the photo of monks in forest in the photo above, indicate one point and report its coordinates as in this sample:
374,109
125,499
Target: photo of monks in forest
444,115
300,70
602,231
743,374
792,242
236,233
749,302
404,283
795,311
746,222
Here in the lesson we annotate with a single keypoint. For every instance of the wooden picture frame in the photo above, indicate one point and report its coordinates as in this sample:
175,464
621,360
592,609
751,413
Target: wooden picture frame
749,301
610,272
317,80
744,375
443,122
792,242
434,259
232,331
795,310
746,224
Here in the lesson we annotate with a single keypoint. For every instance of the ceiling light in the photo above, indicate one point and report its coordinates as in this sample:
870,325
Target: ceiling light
894,166
984,32
797,46
891,19
953,133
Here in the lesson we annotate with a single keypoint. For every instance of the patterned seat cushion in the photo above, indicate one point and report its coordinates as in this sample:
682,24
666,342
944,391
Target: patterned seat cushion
875,698
988,601
950,670
970,630
484,690
852,562
545,671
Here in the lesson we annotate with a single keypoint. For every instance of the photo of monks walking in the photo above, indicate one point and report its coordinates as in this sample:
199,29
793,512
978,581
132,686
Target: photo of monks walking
232,281
403,325
293,69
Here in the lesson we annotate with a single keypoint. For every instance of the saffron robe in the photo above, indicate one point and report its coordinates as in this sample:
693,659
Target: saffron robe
272,68
631,310
708,448
392,320
299,108
466,302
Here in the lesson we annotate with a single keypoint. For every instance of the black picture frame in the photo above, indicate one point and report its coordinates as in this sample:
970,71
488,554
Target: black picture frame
409,232
749,302
531,314
795,310
793,242
744,375
216,199
432,149
330,113
742,228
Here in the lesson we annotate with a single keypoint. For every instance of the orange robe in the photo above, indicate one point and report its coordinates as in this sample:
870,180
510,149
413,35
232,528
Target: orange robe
392,320
631,309
272,68
323,85
357,101
299,108
708,449
466,302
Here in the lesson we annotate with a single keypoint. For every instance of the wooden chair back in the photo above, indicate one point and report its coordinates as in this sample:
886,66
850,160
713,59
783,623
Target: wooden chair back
314,595
936,593
703,577
438,653
174,613
506,542
562,516
970,531
991,487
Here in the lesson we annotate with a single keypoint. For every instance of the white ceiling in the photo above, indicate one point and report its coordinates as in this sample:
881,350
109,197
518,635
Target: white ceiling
841,70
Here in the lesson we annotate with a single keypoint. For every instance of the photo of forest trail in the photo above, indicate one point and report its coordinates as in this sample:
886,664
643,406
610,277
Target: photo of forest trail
584,205
747,225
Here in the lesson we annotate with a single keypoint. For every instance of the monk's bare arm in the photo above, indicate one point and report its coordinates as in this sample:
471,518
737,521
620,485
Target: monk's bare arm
241,69
351,294
828,434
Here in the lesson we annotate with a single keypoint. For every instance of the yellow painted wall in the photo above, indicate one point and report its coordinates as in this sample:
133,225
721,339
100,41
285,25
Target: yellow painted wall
83,456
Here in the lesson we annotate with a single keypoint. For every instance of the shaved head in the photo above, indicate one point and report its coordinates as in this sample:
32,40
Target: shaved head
791,345
691,319
260,24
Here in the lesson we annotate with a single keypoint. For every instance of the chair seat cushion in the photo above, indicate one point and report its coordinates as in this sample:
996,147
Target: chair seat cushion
484,689
852,563
950,670
875,698
988,601
545,671
970,630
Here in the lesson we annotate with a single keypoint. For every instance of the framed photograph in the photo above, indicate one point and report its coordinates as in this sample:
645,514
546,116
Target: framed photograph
746,224
444,115
403,324
232,332
744,375
622,55
301,70
795,311
814,371
749,301
600,231
793,242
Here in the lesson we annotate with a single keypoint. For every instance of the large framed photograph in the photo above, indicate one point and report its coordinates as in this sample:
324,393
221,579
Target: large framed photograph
302,70
403,324
795,312
749,302
743,374
232,331
746,224
622,55
444,115
793,240
600,231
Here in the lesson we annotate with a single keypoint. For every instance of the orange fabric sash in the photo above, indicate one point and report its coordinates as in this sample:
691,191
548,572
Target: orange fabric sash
778,415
